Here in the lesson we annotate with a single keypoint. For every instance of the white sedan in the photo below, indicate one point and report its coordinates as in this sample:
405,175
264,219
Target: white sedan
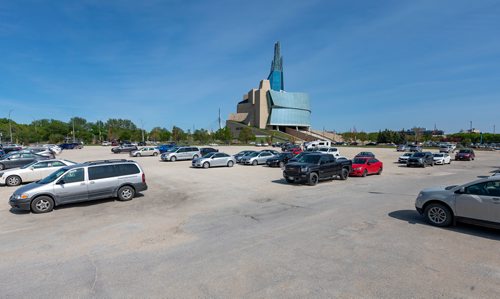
32,172
441,158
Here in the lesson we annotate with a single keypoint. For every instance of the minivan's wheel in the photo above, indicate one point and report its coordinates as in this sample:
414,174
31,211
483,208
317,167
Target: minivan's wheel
230,164
2,167
344,174
365,173
313,179
173,159
13,180
155,154
432,164
254,163
438,214
206,165
195,157
42,204
126,193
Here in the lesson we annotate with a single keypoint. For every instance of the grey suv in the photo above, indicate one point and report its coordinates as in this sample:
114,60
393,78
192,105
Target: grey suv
477,202
81,182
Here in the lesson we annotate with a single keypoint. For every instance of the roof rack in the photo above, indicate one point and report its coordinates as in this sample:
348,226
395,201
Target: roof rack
106,161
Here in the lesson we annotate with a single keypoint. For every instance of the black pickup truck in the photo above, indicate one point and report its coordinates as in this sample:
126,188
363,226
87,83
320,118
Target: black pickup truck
316,166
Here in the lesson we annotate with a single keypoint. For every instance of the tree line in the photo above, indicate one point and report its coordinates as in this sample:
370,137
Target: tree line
57,131
411,136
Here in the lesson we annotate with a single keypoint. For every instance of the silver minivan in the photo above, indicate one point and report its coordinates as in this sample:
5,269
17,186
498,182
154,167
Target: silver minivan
81,182
181,153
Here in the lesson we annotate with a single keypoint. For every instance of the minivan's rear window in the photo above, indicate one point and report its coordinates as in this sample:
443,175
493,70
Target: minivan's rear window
109,171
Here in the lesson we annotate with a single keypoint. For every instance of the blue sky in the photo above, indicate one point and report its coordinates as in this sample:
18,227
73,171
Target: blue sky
366,64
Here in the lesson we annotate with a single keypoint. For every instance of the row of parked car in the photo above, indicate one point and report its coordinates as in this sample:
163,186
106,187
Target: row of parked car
423,159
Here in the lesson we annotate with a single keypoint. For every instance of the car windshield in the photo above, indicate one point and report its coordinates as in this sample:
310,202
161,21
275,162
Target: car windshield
358,161
283,155
418,155
172,149
209,155
313,159
254,154
438,155
407,154
464,151
53,176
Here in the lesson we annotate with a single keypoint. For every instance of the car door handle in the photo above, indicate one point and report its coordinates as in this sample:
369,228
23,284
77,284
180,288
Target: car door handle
82,184
91,182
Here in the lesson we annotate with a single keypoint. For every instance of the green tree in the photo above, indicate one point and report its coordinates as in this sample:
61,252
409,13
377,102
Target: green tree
246,135
224,135
178,134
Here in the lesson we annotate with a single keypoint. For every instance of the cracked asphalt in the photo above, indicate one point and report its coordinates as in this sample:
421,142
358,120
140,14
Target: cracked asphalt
243,232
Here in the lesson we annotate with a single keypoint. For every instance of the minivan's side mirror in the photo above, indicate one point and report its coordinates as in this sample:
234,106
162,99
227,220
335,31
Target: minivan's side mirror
461,190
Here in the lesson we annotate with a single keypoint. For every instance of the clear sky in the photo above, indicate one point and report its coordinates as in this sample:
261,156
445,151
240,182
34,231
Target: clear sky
366,64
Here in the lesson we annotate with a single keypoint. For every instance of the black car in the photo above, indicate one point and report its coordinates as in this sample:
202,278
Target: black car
420,159
13,160
11,148
365,154
279,160
126,148
312,168
206,150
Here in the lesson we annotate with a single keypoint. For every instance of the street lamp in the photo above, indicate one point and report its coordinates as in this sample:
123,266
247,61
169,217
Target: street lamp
10,125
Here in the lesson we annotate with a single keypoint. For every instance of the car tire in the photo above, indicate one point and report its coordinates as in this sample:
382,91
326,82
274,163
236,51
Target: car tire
42,204
365,173
173,159
126,193
2,167
155,154
438,215
230,164
379,172
289,181
13,180
282,164
206,165
255,163
344,174
138,155
313,179
195,157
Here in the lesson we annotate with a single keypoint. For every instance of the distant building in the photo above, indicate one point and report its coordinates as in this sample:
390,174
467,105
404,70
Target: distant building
270,107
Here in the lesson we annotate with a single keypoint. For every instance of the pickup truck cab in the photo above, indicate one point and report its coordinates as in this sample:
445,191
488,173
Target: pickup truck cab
313,167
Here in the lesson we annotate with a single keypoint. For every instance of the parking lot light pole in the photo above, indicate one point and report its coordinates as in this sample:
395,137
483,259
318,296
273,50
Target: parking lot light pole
10,125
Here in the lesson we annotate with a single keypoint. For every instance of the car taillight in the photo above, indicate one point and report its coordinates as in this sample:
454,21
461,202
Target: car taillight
143,177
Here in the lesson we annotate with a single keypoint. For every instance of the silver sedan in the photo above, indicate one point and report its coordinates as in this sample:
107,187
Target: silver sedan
256,158
213,160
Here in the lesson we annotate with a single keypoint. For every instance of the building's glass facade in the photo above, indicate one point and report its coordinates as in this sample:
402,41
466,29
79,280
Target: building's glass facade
289,109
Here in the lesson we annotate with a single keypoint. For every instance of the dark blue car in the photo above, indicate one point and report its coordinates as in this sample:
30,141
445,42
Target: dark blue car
165,147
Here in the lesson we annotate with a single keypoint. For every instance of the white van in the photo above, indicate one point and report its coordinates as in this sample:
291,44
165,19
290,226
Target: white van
317,144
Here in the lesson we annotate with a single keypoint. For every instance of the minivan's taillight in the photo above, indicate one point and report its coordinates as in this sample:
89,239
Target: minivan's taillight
143,177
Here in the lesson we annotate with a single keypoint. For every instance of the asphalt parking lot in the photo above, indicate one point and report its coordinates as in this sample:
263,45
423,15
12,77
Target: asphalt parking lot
243,232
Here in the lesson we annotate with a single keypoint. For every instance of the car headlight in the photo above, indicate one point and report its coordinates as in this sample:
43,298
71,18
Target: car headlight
22,196
304,169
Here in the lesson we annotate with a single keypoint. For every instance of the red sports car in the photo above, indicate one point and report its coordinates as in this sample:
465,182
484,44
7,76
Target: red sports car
362,166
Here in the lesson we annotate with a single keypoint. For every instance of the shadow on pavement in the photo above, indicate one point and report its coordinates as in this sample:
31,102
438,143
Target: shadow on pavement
413,217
